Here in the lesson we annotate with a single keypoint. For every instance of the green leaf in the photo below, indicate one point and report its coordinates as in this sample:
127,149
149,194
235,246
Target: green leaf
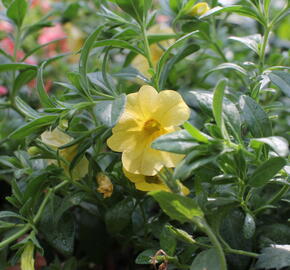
181,235
265,172
43,96
83,63
32,126
275,257
227,66
282,80
251,42
145,257
177,207
110,111
196,134
179,142
249,227
118,44
26,109
244,11
61,234
118,217
23,78
217,105
17,11
167,241
6,3
278,144
71,11
207,259
192,161
255,117
16,66
166,54
9,214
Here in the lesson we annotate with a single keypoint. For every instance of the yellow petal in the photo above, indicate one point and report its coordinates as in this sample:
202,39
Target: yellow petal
135,178
55,138
148,100
199,9
123,141
27,257
172,110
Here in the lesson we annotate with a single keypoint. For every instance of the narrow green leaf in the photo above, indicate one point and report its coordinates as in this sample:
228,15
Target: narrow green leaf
282,80
265,172
83,63
43,96
227,66
26,109
16,66
207,259
17,11
217,105
22,79
32,126
196,134
251,42
177,207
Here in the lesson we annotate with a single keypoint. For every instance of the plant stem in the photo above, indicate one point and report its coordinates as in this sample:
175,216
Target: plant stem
15,236
263,48
202,224
146,46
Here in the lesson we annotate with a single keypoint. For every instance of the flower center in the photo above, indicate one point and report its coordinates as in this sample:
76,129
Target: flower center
153,180
151,126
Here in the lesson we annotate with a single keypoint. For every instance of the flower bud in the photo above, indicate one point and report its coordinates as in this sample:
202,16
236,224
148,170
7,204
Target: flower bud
199,9
33,150
27,257
105,185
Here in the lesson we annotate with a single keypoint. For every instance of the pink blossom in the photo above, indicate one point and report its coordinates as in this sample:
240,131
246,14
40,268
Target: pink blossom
6,27
3,90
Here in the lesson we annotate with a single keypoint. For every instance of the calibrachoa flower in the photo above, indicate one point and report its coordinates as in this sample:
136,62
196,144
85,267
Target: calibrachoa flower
3,90
56,139
148,115
199,9
151,183
105,185
140,62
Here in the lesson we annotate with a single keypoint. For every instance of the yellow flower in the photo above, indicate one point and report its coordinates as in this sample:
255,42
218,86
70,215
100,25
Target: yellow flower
151,183
140,62
148,115
55,139
27,257
199,9
105,185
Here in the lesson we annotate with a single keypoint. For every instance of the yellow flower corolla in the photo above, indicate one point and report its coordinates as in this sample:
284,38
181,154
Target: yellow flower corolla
55,139
148,115
151,183
27,257
199,9
140,62
105,185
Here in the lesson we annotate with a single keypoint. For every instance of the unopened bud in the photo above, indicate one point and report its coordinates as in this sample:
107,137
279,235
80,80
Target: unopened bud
27,257
199,9
33,150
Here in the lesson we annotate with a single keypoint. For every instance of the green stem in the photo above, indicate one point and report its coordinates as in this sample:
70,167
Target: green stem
263,48
242,252
202,224
15,236
147,47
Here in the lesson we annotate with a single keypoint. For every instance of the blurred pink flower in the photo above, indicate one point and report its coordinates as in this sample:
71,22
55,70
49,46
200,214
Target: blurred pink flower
49,34
3,90
162,19
45,5
6,27
8,46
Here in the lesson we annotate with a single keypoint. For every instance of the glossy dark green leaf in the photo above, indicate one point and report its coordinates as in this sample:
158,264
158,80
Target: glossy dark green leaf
110,111
179,142
118,217
181,235
265,172
275,257
177,207
282,80
145,257
278,144
207,259
255,117
9,214
17,11
167,241
249,227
